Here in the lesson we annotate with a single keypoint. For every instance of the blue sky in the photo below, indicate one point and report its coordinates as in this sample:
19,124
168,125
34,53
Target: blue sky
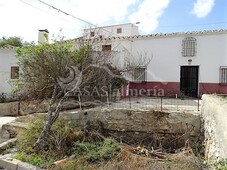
24,17
179,17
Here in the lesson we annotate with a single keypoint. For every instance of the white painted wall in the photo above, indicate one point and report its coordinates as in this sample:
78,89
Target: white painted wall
7,59
111,31
167,58
164,50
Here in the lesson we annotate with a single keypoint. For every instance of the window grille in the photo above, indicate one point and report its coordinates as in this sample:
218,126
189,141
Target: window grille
189,47
14,72
119,30
92,33
223,75
139,74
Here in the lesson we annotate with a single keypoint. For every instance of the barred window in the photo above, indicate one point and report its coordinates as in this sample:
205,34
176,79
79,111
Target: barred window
14,72
92,33
223,75
106,49
189,47
139,74
119,30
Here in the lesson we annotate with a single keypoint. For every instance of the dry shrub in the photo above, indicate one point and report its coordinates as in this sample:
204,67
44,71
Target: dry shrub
126,160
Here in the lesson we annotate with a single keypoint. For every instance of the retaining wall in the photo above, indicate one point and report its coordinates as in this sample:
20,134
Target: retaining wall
151,127
214,115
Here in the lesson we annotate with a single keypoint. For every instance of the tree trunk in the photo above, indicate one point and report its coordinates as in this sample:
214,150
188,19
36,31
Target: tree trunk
42,142
52,116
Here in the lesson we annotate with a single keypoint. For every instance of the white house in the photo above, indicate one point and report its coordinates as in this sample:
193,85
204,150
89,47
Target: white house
128,29
189,63
9,70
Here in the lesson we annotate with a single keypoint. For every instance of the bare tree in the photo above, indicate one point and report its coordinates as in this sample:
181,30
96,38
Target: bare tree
63,68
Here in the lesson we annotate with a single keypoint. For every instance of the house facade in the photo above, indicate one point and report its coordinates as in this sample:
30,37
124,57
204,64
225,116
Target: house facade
9,70
185,63
188,64
120,30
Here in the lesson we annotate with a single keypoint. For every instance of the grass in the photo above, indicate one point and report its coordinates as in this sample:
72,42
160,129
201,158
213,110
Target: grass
219,165
63,142
61,137
37,160
96,151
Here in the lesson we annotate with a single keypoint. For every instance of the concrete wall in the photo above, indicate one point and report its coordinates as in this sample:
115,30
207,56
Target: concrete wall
214,115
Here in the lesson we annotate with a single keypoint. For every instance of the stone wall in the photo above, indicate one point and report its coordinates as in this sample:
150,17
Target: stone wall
34,106
9,109
22,108
154,128
214,115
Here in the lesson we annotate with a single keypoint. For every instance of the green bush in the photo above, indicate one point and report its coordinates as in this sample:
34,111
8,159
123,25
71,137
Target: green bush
37,160
96,151
27,137
221,164
57,139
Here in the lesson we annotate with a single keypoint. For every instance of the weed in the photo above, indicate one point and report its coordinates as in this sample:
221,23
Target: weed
57,140
96,151
37,160
220,165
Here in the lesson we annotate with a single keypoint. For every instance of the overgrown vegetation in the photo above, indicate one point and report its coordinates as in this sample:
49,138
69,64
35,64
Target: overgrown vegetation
37,160
57,71
96,151
64,141
91,150
219,165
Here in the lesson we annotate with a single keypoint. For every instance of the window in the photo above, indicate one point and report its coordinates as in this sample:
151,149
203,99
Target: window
119,30
14,72
92,33
139,74
223,75
106,49
189,47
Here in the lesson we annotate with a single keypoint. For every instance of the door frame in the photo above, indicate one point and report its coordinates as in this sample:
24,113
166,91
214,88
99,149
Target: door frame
198,77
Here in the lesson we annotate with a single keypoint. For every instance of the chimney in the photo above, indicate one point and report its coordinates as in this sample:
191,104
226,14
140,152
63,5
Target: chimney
43,36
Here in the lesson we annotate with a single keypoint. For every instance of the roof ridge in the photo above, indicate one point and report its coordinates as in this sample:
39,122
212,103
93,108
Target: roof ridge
8,46
204,32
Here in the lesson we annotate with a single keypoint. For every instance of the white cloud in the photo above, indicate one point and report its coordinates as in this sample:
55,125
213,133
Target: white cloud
100,11
20,19
148,13
24,17
202,8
